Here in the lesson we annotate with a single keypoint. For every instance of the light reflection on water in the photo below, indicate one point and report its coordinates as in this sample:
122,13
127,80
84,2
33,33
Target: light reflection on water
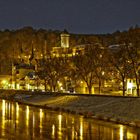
25,122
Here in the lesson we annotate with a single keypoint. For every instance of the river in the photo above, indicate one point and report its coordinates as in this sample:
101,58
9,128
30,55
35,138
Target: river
23,122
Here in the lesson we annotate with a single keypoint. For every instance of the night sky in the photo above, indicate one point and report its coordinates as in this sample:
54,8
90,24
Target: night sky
77,16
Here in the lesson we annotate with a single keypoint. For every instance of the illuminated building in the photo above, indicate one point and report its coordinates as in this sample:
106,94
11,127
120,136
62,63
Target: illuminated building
65,39
5,81
131,87
24,70
21,73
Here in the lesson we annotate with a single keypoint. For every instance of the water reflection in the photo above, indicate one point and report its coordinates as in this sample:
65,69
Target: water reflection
27,115
24,122
121,132
81,128
53,131
3,117
17,111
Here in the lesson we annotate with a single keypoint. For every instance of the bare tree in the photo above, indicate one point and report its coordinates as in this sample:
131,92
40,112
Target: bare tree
131,40
53,69
118,58
90,66
134,59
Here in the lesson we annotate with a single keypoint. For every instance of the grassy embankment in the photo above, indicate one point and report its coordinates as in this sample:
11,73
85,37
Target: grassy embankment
125,110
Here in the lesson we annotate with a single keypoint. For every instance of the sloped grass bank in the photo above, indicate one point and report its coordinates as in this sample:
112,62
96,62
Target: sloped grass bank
118,109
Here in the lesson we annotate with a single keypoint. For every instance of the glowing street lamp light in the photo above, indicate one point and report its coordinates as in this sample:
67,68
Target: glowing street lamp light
4,83
129,87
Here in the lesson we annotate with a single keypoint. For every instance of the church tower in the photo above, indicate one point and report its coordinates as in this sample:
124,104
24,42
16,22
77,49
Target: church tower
65,39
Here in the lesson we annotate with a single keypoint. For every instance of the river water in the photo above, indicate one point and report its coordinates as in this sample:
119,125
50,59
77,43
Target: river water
21,122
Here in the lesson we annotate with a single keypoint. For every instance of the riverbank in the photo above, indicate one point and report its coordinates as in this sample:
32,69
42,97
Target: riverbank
124,110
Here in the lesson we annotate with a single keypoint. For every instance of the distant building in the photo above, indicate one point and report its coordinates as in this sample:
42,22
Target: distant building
23,74
65,49
24,71
19,73
65,39
131,86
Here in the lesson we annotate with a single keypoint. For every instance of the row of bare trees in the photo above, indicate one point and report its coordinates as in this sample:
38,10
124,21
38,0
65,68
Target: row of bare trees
96,65
52,70
99,62
125,62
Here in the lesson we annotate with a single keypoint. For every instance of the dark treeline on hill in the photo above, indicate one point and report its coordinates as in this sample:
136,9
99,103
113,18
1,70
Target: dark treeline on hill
12,42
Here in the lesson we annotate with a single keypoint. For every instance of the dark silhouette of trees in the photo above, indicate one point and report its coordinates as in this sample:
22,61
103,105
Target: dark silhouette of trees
53,70
120,65
90,66
132,43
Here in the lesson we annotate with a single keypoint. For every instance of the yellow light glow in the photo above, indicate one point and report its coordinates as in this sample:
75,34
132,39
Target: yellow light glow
27,115
18,86
41,113
4,81
53,131
3,116
81,128
73,132
17,111
131,136
12,106
121,132
33,120
60,84
28,86
9,108
129,85
41,120
73,129
73,53
59,121
61,88
3,108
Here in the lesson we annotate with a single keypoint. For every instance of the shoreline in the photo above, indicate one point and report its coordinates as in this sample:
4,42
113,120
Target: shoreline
115,109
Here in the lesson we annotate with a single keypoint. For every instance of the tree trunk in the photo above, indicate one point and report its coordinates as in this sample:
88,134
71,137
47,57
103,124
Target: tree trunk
138,90
99,85
137,83
89,89
45,81
123,87
54,85
53,88
37,84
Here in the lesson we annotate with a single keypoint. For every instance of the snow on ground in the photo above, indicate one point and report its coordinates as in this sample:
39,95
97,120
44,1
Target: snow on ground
50,100
124,108
116,107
